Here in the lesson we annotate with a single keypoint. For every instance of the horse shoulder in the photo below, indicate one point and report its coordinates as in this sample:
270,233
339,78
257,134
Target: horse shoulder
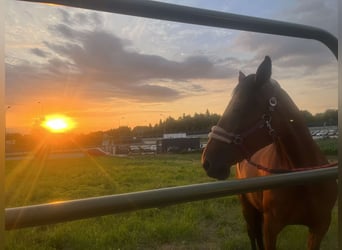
265,156
244,170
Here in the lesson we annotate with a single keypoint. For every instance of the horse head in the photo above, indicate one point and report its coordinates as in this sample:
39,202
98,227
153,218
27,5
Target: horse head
253,118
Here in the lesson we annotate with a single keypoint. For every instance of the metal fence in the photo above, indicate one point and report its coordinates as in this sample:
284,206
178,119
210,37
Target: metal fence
85,208
97,206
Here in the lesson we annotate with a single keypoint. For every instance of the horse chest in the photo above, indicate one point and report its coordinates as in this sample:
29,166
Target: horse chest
291,205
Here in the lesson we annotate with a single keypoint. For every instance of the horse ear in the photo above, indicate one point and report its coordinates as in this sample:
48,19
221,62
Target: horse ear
264,71
242,76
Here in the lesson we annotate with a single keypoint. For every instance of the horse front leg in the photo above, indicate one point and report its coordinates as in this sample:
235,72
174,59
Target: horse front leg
315,238
253,220
317,230
271,230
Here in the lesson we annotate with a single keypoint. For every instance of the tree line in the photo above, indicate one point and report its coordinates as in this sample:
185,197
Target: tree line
199,123
202,123
327,118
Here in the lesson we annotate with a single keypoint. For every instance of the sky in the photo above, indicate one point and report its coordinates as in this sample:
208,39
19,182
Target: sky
108,70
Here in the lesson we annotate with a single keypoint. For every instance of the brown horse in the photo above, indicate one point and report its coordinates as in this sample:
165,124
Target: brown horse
262,131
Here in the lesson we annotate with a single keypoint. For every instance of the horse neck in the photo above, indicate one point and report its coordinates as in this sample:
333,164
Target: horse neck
297,147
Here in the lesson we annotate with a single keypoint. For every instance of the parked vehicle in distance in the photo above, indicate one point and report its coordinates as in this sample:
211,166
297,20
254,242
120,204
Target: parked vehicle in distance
324,132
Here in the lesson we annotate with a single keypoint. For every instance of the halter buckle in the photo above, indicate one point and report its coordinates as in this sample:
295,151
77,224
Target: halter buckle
273,102
267,118
271,131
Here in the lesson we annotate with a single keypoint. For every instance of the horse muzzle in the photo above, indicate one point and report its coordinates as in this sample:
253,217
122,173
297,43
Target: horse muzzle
219,172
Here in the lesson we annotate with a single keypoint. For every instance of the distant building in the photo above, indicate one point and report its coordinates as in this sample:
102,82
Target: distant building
174,135
178,145
108,144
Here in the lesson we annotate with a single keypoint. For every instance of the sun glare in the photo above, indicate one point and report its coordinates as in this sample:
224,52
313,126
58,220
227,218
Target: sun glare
58,123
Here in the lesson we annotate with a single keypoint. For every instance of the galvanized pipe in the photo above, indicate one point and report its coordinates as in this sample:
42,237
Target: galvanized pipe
98,206
191,15
3,9
339,148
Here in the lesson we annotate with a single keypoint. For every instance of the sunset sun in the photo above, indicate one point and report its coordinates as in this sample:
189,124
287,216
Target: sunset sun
58,123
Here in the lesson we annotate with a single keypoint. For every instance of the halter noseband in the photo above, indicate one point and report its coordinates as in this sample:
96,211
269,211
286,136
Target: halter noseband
222,135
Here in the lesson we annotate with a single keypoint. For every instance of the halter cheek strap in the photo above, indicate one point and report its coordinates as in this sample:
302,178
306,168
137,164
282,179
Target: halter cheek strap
222,135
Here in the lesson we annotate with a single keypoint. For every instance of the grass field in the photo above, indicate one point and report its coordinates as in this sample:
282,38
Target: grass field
211,224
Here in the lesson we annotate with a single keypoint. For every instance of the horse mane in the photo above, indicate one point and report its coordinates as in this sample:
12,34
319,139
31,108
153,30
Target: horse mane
297,142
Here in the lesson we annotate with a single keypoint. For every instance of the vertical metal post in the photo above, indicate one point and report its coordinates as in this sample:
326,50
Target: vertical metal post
340,128
2,123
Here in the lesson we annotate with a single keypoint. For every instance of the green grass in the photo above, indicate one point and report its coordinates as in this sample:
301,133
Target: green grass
328,145
211,224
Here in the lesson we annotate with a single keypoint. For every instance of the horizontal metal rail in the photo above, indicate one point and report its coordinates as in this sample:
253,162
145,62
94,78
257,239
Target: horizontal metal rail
191,15
42,214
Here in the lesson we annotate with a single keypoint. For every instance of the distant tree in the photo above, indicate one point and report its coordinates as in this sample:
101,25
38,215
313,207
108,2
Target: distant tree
120,134
308,117
199,123
328,118
141,131
93,139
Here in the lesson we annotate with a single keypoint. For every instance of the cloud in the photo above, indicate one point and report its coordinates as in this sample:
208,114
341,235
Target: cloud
316,13
94,60
291,53
104,52
80,55
85,18
39,52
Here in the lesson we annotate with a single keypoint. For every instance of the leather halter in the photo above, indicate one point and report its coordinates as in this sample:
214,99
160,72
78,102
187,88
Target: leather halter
222,135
